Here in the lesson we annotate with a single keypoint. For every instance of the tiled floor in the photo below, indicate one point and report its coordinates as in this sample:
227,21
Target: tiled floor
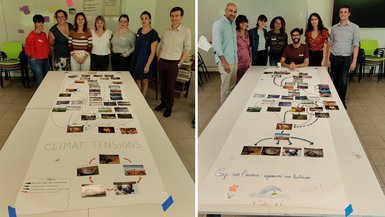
14,98
365,106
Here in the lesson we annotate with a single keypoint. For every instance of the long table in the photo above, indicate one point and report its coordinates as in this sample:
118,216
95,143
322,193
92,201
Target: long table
360,183
18,151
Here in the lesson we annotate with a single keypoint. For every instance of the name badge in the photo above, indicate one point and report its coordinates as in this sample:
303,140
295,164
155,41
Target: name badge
39,40
273,39
83,36
301,55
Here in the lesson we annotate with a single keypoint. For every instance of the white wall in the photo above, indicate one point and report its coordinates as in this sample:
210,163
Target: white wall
295,13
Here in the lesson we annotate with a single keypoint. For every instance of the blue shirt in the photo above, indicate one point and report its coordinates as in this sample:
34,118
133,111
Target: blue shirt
225,40
344,38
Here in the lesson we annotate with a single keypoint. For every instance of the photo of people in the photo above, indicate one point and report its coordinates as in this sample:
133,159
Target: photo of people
109,159
93,190
291,152
251,150
125,188
134,170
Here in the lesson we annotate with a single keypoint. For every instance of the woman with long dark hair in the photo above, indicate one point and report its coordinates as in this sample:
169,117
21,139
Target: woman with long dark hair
243,45
277,39
316,39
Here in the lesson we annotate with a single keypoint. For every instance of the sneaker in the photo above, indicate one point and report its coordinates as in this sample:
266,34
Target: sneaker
167,113
160,107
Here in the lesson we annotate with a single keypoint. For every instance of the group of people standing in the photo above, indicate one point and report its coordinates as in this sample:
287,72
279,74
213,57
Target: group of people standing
78,48
236,48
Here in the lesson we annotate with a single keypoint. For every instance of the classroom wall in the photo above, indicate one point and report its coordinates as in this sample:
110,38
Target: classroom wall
295,12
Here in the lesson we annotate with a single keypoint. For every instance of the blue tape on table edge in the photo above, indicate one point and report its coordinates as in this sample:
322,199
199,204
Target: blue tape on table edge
348,210
166,204
11,211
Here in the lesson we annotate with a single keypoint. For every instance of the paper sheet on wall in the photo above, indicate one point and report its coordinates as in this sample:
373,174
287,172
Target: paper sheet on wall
92,152
280,151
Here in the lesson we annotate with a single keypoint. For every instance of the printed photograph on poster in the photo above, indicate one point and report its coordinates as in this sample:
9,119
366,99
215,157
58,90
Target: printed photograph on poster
322,115
134,170
273,109
75,129
88,117
106,129
59,109
313,152
93,190
291,152
284,126
299,117
109,159
254,109
251,150
125,188
271,151
128,131
88,171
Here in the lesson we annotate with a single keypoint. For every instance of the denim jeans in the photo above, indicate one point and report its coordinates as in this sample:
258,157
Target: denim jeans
274,59
39,69
340,73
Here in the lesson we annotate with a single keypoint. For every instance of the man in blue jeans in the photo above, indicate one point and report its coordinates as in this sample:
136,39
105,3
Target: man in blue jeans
344,40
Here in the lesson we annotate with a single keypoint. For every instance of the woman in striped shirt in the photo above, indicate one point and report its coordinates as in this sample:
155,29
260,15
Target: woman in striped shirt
80,44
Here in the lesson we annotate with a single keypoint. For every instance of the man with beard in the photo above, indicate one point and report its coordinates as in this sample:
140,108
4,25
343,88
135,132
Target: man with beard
225,49
295,55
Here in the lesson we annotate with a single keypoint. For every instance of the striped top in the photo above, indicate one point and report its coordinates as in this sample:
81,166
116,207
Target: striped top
80,41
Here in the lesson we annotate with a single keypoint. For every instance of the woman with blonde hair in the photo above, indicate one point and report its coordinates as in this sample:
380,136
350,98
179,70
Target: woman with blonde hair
100,54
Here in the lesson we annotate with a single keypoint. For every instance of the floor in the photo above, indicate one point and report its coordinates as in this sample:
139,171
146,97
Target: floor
14,98
365,106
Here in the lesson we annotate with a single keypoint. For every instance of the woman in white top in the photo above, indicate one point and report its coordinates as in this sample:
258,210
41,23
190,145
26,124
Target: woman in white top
100,54
123,44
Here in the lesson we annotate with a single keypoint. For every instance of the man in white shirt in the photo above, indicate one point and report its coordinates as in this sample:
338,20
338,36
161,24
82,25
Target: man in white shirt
175,47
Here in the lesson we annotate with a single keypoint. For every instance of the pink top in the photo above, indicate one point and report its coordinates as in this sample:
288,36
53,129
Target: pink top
244,50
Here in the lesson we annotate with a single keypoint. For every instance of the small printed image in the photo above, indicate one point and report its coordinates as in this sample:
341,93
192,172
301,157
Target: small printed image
254,109
124,103
300,97
94,90
125,188
287,97
65,95
88,117
296,93
291,152
299,80
108,116
273,109
95,103
331,103
115,78
93,85
117,82
121,109
299,117
106,129
104,109
297,76
80,81
281,136
104,78
116,91
267,73
109,103
256,95
88,171
59,109
271,151
98,76
92,82
316,109
307,76
303,73
93,190
288,85
116,97
325,95
302,85
272,96
284,104
251,150
114,87
75,129
313,152
268,102
297,109
85,76
71,90
307,101
64,102
128,130
284,126
323,86
77,102
94,94
74,108
322,115
108,76
115,94
125,116
276,76
73,76
134,170
109,159
325,91
96,99
331,107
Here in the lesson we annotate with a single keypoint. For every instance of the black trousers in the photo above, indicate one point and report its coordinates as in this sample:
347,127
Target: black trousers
260,59
315,57
120,63
99,62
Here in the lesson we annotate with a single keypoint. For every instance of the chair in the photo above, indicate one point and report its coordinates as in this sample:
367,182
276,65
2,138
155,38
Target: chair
202,69
11,61
371,56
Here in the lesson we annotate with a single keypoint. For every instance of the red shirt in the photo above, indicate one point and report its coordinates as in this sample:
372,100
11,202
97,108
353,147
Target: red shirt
317,43
37,46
